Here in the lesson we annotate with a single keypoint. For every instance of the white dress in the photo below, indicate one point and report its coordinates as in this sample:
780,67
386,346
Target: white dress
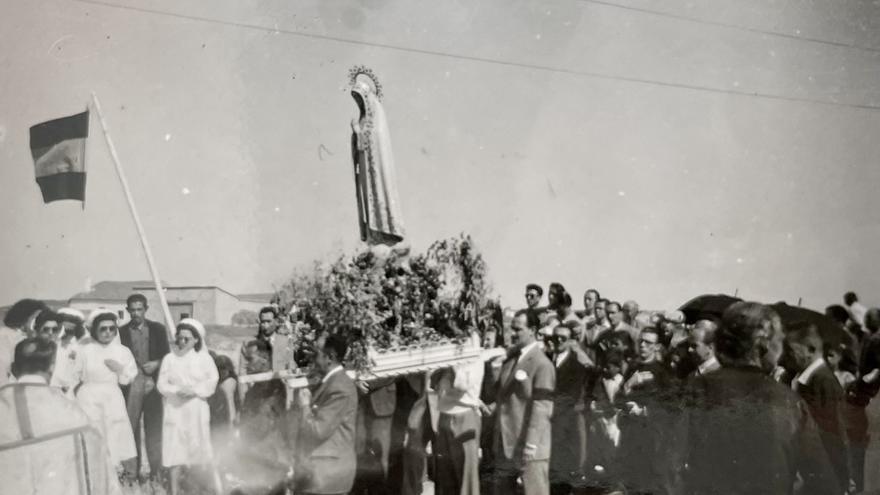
186,423
101,398
64,376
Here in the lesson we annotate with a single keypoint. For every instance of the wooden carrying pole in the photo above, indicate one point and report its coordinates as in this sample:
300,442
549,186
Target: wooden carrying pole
169,321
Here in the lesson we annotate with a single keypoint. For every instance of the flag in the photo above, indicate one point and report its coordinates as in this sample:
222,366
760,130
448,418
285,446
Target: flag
59,150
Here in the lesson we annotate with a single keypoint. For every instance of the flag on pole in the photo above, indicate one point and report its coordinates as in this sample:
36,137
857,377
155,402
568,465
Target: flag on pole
59,150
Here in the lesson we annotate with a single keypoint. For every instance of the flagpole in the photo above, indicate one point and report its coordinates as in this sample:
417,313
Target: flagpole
169,321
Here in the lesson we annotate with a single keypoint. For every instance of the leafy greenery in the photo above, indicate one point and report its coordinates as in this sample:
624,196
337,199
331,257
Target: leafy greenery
387,298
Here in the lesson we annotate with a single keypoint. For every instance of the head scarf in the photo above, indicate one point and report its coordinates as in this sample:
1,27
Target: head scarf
72,315
96,317
196,326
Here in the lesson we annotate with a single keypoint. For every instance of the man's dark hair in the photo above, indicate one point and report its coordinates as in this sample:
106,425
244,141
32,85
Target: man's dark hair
269,309
613,303
136,298
565,300
805,333
33,355
535,287
556,288
850,297
745,326
603,301
838,313
594,291
44,316
613,356
21,311
336,344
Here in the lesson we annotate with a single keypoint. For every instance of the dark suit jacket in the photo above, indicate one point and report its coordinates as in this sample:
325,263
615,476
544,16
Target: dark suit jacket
158,347
748,434
824,397
569,434
326,438
524,405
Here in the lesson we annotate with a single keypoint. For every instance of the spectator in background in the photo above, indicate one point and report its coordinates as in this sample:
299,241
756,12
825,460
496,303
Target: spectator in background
618,320
645,420
816,384
591,297
856,309
833,356
859,396
534,293
148,342
701,347
604,431
568,447
16,325
630,313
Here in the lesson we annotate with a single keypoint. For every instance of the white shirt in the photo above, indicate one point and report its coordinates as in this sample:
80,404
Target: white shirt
804,377
525,350
32,379
330,373
462,393
561,357
708,365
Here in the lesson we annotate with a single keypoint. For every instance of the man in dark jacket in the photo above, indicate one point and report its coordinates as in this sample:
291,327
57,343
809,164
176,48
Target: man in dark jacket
148,342
816,384
568,446
326,462
748,434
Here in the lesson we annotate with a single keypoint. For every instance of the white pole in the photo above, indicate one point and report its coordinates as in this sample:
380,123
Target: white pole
169,321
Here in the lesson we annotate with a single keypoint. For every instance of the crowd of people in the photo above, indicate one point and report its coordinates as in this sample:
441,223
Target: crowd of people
599,400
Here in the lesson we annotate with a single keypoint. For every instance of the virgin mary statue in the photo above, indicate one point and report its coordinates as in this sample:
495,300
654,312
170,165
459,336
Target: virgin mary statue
378,204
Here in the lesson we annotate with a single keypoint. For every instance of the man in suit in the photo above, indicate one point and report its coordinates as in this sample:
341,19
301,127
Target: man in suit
326,463
747,433
524,404
860,393
568,448
148,342
700,346
816,384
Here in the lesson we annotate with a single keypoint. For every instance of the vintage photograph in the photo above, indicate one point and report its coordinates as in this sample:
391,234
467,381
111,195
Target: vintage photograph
497,247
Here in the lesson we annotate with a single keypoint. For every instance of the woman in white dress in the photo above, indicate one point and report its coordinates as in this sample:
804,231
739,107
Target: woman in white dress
187,378
102,365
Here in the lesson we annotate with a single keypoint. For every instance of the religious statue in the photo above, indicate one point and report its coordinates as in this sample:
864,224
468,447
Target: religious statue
378,204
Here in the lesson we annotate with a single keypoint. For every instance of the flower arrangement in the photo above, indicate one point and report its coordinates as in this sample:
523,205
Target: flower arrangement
386,299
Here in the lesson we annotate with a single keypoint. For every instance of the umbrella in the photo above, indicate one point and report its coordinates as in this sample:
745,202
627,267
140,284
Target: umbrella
832,334
707,305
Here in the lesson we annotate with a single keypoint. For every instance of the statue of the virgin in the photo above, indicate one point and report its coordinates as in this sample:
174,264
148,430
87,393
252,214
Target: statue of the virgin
378,204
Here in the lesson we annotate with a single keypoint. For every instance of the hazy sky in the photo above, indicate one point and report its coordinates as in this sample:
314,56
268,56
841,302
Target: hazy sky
586,142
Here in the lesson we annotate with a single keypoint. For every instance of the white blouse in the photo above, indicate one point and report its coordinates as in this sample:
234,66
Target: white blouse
90,367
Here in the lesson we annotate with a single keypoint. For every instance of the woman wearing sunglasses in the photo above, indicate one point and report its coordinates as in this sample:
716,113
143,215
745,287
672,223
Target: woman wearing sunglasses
102,365
187,378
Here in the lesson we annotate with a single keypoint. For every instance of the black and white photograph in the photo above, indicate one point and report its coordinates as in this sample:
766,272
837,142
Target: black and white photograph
402,247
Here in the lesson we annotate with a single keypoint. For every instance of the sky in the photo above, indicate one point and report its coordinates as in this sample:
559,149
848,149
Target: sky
655,151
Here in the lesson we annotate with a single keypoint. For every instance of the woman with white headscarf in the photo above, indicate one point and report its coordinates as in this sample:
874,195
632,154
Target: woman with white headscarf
102,365
187,379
